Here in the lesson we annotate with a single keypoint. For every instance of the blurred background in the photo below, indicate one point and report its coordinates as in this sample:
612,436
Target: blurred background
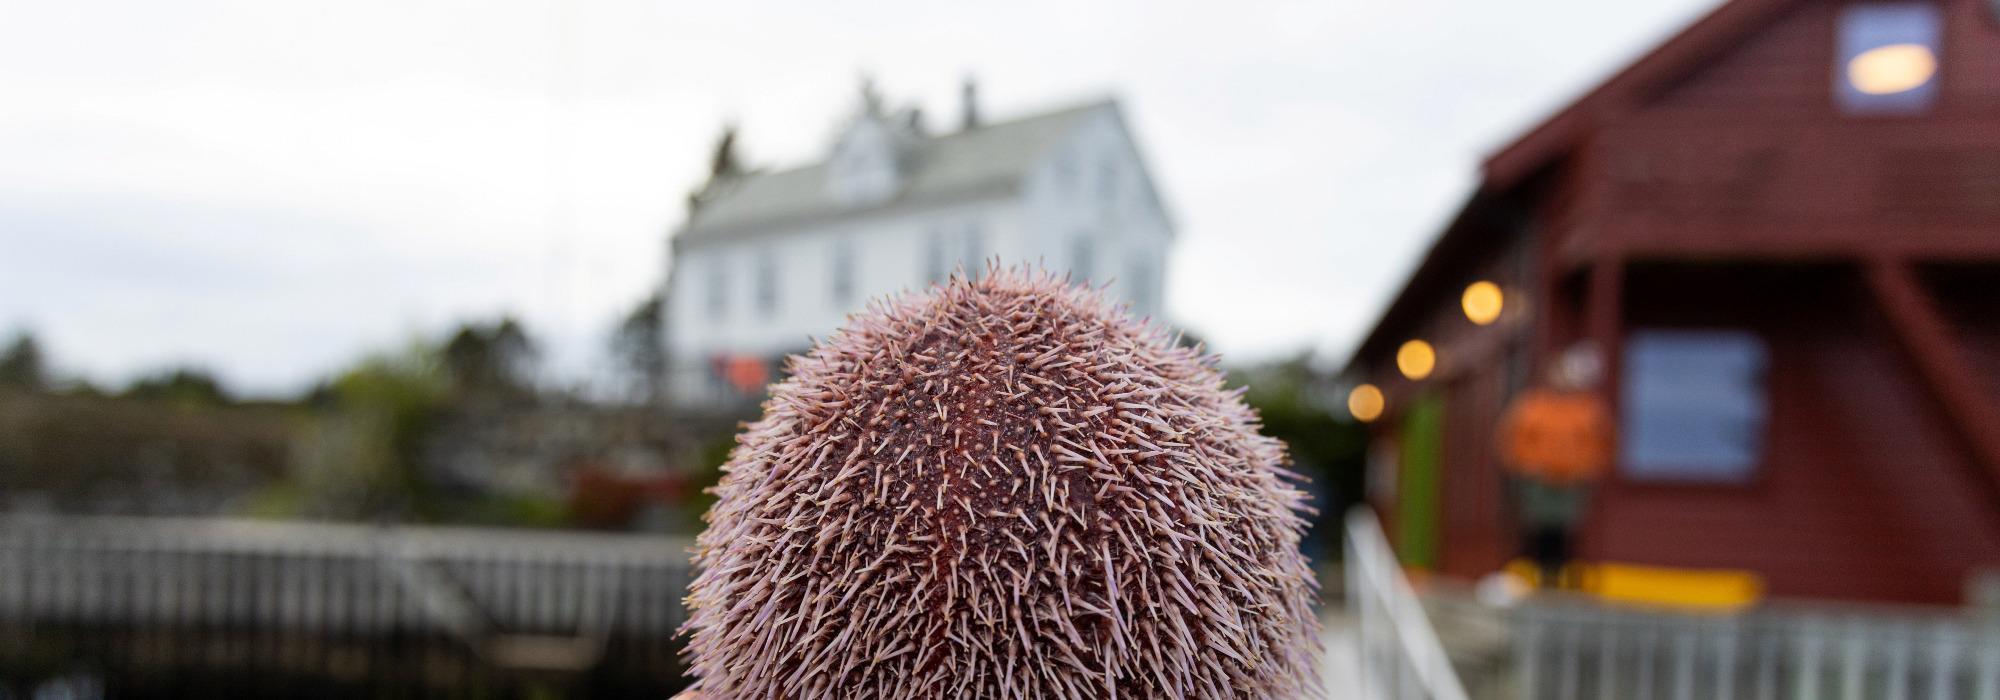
386,348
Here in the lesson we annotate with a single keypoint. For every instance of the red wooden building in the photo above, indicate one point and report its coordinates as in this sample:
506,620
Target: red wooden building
1783,226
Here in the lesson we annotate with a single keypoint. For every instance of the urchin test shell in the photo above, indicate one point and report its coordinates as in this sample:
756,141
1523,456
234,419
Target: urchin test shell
1002,488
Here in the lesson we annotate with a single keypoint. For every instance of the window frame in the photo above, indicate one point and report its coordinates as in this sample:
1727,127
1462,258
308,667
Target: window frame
766,293
1139,284
1849,42
1082,257
1675,476
843,273
717,300
1066,174
935,270
1108,179
974,257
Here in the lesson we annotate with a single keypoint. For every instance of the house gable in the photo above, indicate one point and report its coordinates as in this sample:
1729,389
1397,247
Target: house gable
1780,70
1701,41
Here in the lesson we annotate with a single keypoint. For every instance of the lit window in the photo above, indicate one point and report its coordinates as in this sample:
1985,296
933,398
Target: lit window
1693,405
767,283
1888,58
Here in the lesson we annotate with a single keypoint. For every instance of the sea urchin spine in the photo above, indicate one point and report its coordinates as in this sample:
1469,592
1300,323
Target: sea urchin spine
1003,488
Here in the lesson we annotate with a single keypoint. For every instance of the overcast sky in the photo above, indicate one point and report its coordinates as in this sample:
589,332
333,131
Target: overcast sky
271,189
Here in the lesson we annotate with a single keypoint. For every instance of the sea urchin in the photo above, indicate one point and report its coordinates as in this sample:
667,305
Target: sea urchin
1002,488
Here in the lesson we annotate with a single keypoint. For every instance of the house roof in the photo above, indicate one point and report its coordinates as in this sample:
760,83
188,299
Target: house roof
1554,138
1706,38
986,160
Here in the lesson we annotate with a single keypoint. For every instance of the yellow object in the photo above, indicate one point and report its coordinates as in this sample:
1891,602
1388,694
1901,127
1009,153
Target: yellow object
1482,302
1416,359
1887,70
1710,590
1366,402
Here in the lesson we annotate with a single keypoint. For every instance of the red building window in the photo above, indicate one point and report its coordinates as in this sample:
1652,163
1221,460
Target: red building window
1693,405
1887,58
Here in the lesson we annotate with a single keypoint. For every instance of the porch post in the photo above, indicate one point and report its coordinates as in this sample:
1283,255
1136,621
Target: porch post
1603,322
1604,307
1604,319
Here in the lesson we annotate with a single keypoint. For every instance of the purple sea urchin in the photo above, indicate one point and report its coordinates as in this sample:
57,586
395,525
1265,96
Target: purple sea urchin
1002,488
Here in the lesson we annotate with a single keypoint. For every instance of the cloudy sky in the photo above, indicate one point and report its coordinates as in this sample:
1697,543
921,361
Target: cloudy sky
270,189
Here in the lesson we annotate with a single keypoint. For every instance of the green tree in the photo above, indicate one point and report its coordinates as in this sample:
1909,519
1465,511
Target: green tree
361,455
22,365
490,361
638,346
183,385
1297,404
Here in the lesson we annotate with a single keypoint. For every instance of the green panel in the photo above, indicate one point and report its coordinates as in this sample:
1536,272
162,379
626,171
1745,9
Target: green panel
1418,491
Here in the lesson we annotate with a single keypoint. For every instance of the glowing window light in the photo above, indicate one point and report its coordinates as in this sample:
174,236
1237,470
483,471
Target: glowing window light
1482,302
1416,359
1366,403
1887,70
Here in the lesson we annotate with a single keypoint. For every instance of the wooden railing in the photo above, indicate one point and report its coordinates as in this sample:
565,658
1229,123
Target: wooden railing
145,597
1566,650
1400,655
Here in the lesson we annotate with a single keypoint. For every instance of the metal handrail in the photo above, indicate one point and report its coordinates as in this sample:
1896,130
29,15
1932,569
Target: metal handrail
1401,655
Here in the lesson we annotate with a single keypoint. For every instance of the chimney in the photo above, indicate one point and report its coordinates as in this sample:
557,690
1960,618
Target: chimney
969,102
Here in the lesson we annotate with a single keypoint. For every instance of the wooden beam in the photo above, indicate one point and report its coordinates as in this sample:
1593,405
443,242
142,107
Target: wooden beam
1655,239
1926,336
1604,304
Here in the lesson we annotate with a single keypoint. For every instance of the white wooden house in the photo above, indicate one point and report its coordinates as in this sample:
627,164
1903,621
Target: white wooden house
769,259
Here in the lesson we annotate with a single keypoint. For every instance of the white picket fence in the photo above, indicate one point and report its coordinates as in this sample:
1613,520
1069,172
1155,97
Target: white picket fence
1400,655
1569,648
515,598
1572,650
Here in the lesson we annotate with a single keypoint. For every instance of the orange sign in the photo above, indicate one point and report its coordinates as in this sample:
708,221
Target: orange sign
748,373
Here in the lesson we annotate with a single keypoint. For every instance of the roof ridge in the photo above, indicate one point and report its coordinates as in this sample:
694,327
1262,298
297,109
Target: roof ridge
1070,110
979,162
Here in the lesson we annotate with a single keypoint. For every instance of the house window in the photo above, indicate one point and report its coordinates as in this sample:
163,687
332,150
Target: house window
1079,257
1107,181
1887,58
934,263
975,250
1065,173
767,283
718,289
1693,405
1139,280
843,271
